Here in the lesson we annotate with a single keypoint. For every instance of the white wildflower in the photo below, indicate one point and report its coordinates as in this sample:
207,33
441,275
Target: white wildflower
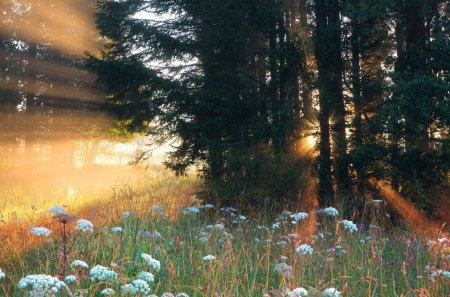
84,226
349,226
329,211
153,263
304,249
70,279
331,292
2,274
203,240
126,214
57,209
209,258
101,273
182,295
299,216
46,285
116,230
41,231
108,292
147,276
300,292
79,263
191,210
137,287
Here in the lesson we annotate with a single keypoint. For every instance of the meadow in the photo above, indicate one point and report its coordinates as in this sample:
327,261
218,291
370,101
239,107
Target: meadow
157,239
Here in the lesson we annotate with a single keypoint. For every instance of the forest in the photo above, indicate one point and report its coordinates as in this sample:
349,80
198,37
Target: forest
266,97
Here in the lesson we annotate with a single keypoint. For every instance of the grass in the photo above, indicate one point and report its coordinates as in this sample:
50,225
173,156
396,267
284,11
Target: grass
251,257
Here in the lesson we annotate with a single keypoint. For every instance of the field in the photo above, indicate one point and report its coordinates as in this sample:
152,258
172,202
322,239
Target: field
156,238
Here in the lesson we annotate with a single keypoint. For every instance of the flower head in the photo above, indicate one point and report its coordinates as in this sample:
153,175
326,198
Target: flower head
70,279
44,285
304,249
299,216
153,263
84,226
101,273
349,226
209,258
116,230
80,264
299,292
329,211
2,274
108,292
331,292
147,276
191,210
57,209
41,231
137,287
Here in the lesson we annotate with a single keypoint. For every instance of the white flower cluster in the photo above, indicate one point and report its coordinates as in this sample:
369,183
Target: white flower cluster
46,285
2,274
84,226
284,269
349,226
191,210
41,231
116,230
137,287
147,276
153,263
297,292
126,214
182,295
70,279
203,240
101,273
331,292
57,209
304,249
79,263
209,258
299,216
108,292
330,211
437,272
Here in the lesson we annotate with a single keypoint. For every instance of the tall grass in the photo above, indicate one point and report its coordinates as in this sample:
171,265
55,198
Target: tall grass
252,256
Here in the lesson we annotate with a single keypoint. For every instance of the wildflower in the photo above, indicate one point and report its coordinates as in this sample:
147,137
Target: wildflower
219,226
331,292
64,218
276,226
349,226
101,273
84,226
57,209
80,264
137,287
116,230
329,211
147,276
304,249
209,258
41,231
108,292
70,279
208,206
2,274
282,243
203,240
285,214
158,209
242,218
182,295
166,294
299,216
45,285
153,263
283,268
299,292
126,214
191,210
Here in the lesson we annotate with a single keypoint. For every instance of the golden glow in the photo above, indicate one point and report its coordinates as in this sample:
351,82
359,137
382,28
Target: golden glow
416,220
